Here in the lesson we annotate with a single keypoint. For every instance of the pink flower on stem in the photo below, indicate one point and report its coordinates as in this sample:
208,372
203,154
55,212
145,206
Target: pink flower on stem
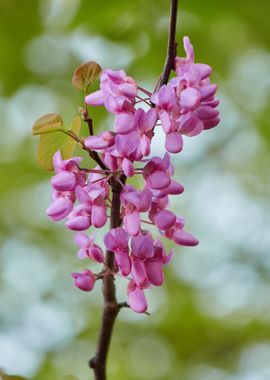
134,202
91,211
117,92
116,241
88,249
186,105
84,281
158,172
68,174
61,206
136,298
179,235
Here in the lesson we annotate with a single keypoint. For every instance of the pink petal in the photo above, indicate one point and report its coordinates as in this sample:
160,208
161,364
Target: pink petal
174,142
132,223
174,188
191,126
145,200
211,123
82,254
165,121
128,89
182,237
98,216
60,208
138,272
142,247
124,262
95,99
64,181
82,240
188,49
58,161
165,219
84,281
96,254
102,141
78,223
126,144
145,145
137,301
207,112
204,70
127,167
154,272
189,98
208,91
124,122
82,195
158,180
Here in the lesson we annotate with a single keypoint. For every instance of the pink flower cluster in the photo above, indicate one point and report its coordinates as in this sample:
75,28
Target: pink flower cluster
185,106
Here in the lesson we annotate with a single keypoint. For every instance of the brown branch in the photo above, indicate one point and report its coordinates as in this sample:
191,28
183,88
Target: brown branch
111,306
171,47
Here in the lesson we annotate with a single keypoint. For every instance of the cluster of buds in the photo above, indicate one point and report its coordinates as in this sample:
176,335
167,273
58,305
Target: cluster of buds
184,106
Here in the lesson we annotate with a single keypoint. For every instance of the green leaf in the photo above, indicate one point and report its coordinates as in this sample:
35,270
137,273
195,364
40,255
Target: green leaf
47,124
49,144
85,75
4,376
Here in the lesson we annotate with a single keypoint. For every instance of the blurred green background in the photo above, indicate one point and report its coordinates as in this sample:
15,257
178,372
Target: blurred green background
211,320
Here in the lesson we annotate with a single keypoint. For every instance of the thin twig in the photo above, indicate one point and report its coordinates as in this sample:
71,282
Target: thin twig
172,46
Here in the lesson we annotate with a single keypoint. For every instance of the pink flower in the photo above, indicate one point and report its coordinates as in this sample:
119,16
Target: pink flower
157,172
134,202
136,298
92,210
186,105
100,142
117,92
116,241
68,174
88,249
61,207
179,235
84,281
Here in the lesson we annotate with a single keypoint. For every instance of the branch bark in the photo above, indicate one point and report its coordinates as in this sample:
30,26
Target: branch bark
172,45
111,306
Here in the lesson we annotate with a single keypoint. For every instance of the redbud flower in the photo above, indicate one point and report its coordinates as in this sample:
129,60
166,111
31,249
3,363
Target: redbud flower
88,249
84,281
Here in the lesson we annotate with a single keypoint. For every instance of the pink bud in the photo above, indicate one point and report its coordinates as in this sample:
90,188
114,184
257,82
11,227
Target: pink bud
154,272
165,219
123,262
64,181
142,247
137,301
182,237
174,142
102,141
60,208
85,280
78,223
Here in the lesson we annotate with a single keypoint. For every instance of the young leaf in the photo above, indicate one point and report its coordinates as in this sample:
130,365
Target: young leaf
47,123
49,143
4,376
85,75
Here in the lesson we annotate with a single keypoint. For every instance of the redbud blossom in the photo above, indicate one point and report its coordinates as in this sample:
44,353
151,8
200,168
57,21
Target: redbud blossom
185,106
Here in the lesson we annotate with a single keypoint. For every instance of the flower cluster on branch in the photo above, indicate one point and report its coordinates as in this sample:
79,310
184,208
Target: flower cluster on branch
185,106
